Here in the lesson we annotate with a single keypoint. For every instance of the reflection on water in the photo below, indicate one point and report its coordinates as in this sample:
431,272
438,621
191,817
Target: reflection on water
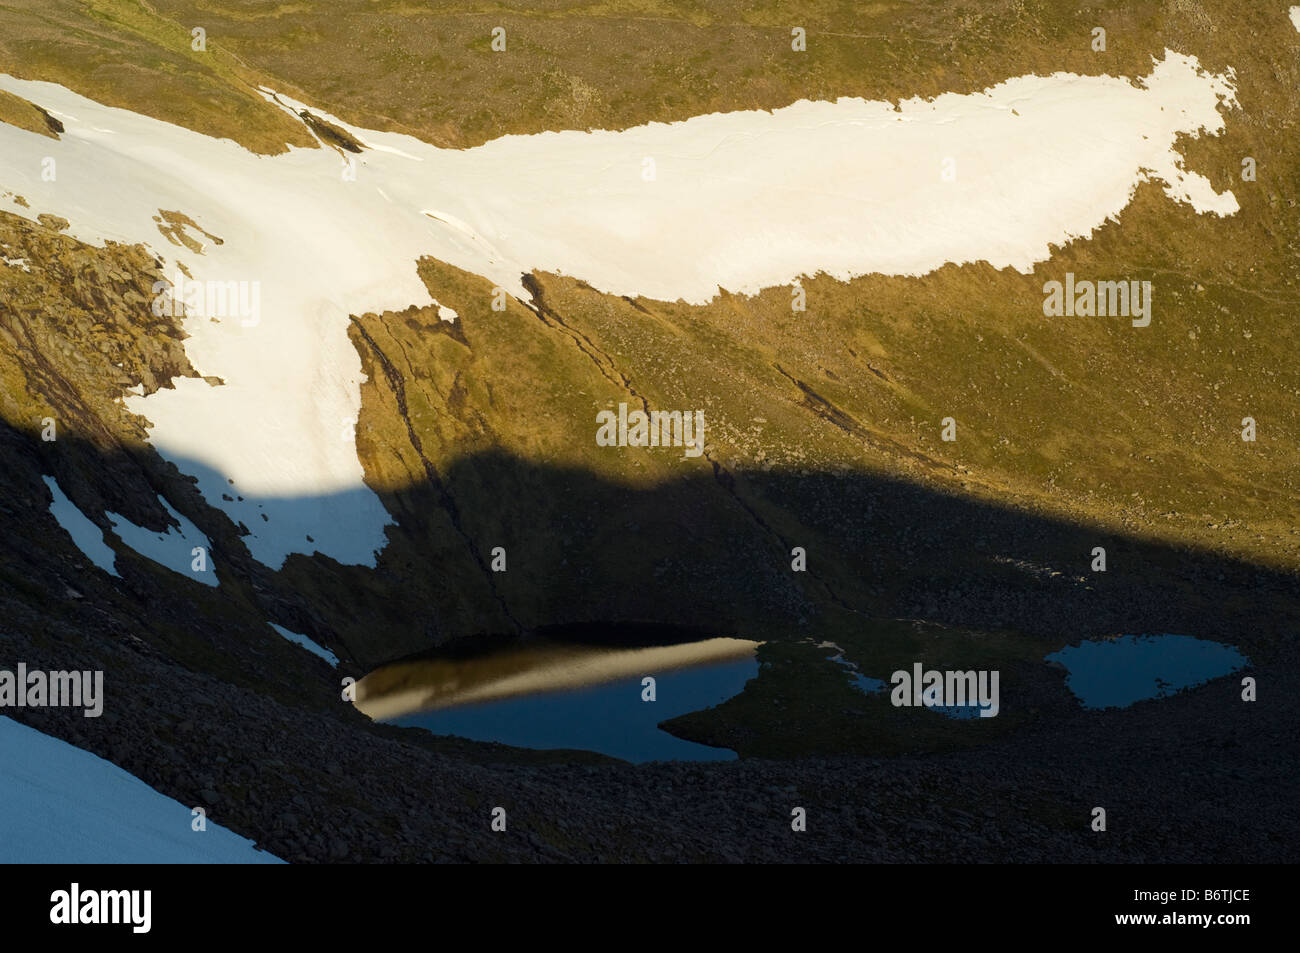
558,694
1115,673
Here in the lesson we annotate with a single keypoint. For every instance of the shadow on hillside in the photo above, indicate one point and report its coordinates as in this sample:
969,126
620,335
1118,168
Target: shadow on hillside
709,553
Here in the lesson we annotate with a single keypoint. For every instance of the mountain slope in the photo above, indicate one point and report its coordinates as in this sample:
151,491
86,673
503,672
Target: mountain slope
823,427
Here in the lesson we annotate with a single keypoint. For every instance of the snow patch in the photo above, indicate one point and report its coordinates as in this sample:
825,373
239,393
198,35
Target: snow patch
306,643
88,537
173,549
63,805
445,313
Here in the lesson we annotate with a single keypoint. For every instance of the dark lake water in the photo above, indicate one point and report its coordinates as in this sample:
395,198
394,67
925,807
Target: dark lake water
1109,673
1114,673
553,694
588,694
873,686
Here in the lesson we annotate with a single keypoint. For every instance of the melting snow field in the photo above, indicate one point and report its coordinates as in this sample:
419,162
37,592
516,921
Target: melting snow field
62,805
306,643
88,537
173,549
740,201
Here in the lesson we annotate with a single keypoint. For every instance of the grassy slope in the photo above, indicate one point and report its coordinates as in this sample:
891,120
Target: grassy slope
1070,420
429,69
124,54
17,111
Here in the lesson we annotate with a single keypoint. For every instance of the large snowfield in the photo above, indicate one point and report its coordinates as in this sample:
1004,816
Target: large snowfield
740,201
62,805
